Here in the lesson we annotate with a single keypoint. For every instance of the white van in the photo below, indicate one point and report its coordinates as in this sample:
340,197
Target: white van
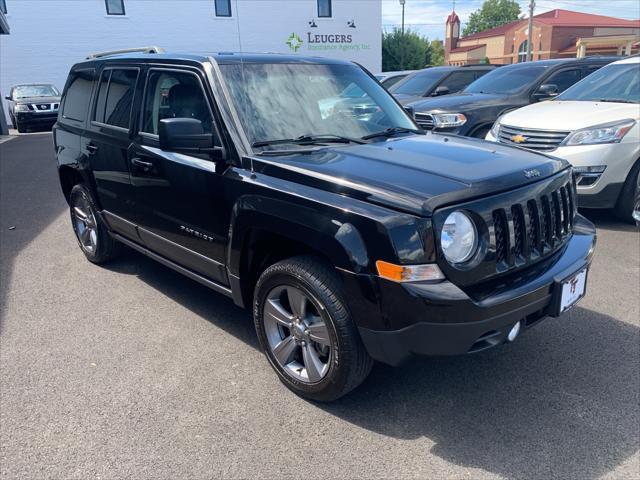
595,126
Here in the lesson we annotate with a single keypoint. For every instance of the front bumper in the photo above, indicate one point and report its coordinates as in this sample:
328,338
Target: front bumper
441,319
36,118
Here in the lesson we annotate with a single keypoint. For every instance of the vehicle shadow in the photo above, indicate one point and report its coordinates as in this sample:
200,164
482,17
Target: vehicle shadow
607,219
560,402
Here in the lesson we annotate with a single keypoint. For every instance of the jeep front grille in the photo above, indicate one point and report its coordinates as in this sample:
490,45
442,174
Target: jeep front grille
539,140
424,121
533,227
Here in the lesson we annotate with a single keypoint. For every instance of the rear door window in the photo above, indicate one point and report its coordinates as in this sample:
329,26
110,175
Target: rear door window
564,79
115,97
77,95
458,80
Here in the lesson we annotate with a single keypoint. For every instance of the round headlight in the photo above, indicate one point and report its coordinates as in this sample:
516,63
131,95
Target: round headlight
458,239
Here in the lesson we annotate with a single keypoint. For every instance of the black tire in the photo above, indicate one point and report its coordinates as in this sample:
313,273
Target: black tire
626,201
348,363
105,248
21,127
13,121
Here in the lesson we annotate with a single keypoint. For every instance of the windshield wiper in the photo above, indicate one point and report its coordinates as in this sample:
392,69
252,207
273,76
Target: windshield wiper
309,140
615,100
390,132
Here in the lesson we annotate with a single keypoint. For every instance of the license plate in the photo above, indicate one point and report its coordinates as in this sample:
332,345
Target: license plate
573,290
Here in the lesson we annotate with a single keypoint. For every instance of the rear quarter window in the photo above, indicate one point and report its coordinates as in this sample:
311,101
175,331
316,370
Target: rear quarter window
77,95
115,97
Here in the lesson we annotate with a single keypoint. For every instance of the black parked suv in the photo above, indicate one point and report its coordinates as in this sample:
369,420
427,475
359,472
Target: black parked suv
33,105
352,240
437,81
473,112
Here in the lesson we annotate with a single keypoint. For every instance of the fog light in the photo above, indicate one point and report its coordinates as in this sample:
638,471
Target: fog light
513,333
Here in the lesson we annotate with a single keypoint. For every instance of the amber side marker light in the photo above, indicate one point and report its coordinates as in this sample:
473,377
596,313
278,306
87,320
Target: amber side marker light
408,273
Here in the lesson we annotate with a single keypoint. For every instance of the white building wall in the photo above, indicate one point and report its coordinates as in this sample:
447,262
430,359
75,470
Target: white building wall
48,36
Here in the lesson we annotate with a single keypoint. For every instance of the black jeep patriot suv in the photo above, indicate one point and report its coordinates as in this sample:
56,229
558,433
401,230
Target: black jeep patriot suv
352,238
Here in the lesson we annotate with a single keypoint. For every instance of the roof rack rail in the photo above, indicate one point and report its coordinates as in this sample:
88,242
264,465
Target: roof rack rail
151,49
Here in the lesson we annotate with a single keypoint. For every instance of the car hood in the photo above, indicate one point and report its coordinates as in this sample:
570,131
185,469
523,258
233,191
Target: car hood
38,100
569,115
458,101
415,174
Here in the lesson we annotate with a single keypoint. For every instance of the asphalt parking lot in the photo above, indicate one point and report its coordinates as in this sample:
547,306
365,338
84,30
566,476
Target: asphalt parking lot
132,371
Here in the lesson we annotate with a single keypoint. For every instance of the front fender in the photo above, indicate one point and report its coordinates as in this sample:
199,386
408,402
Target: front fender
332,236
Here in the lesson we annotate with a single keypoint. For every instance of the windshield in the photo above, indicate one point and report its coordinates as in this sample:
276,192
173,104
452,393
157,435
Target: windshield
612,83
507,80
418,84
287,101
26,91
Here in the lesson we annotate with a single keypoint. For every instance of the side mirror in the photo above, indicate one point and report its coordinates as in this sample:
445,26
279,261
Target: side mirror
8,97
410,110
186,135
441,90
548,90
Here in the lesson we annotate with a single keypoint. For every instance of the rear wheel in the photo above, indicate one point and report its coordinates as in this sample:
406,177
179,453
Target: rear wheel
626,201
306,331
91,232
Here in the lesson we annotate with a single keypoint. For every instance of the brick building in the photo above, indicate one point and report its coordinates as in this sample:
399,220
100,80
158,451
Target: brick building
556,34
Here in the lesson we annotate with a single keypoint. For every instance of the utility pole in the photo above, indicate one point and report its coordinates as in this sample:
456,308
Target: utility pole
402,2
532,5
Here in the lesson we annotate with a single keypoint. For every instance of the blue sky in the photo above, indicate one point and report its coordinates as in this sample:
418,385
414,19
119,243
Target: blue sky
428,16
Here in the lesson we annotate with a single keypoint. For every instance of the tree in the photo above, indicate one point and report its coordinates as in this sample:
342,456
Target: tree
493,13
417,51
437,53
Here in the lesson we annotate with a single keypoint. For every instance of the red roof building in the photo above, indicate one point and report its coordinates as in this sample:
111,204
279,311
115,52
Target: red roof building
556,34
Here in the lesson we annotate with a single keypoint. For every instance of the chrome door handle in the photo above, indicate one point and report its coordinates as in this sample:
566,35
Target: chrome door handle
92,149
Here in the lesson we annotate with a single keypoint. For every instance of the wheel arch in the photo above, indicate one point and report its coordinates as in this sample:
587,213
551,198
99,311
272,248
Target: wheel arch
264,231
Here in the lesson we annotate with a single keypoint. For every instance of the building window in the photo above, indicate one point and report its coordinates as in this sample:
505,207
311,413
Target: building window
324,8
223,8
115,7
522,52
3,6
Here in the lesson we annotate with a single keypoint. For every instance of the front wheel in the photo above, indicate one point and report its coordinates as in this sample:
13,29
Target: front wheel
91,232
306,331
630,191
21,127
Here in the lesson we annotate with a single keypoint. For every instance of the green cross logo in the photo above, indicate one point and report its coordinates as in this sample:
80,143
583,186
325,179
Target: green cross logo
294,42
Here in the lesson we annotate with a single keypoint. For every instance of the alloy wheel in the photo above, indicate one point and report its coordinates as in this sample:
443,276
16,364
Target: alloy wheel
297,334
85,224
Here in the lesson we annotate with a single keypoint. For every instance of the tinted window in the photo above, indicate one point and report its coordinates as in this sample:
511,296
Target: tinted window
223,8
458,80
115,7
324,8
103,85
391,81
114,106
564,79
76,98
613,83
419,83
174,95
508,79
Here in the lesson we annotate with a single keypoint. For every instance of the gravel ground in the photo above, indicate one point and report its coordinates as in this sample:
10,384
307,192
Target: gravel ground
132,371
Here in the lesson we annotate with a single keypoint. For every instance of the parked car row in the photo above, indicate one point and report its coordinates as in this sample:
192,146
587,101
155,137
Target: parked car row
592,122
